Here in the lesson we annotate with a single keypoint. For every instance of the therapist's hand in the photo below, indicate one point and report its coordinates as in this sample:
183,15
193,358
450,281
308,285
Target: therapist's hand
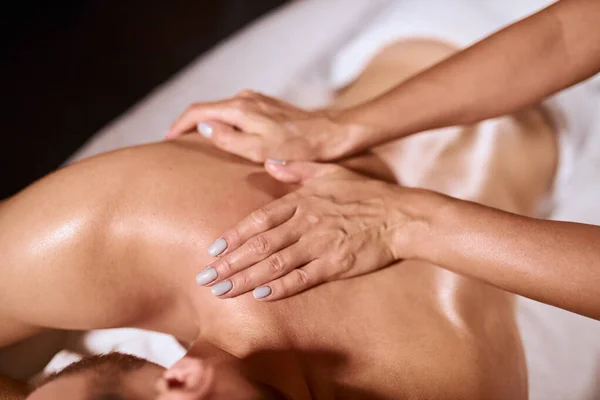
337,225
258,127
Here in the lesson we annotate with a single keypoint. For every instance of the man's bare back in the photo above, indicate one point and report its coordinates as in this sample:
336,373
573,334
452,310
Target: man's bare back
136,242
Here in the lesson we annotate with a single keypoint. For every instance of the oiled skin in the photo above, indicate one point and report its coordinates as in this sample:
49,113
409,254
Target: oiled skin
118,239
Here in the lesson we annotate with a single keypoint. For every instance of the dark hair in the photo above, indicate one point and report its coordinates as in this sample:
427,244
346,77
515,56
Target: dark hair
107,396
101,364
106,372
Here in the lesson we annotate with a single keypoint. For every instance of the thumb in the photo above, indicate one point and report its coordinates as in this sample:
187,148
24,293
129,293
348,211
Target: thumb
298,171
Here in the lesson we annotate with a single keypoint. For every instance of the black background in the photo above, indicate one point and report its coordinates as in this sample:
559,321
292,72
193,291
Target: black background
69,67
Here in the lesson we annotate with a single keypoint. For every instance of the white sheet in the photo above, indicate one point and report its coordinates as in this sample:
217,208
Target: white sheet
300,53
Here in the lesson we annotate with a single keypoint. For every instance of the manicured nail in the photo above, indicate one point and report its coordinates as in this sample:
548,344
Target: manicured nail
206,276
205,129
217,247
261,292
276,161
221,288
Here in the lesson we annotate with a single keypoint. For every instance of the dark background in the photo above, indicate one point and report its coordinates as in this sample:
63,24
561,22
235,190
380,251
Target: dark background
69,67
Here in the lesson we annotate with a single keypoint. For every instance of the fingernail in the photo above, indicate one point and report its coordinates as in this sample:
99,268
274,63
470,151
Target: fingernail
217,247
206,276
221,288
205,129
276,161
261,292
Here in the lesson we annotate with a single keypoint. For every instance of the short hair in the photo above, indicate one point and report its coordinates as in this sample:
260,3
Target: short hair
106,373
106,396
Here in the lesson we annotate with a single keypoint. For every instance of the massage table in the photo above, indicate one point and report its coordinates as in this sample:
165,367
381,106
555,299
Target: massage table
303,52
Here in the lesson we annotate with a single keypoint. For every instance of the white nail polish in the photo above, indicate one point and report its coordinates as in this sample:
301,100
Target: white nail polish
205,129
261,292
276,161
217,247
206,276
221,288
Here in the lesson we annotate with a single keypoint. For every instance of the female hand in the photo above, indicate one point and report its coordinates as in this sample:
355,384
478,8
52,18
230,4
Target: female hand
258,127
337,225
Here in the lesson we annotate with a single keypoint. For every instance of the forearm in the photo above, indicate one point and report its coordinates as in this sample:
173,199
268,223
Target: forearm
557,263
514,68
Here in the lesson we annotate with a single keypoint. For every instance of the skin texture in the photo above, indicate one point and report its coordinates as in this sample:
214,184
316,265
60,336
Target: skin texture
117,240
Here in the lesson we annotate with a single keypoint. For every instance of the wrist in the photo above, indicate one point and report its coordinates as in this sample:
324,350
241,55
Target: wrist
425,214
350,135
373,123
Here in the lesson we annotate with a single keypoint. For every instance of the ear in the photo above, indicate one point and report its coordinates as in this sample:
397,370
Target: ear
188,379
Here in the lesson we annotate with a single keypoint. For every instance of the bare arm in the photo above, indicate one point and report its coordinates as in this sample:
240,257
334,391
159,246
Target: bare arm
351,226
557,263
514,68
70,259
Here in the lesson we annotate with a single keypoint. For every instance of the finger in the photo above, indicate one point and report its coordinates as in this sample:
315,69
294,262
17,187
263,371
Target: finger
297,281
298,171
203,112
234,112
245,145
251,94
259,221
263,104
275,266
212,127
256,249
247,93
231,140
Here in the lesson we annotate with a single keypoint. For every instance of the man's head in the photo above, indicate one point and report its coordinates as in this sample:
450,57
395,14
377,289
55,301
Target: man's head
117,376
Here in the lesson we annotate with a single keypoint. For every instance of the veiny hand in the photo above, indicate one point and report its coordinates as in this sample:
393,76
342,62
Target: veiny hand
258,127
337,225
